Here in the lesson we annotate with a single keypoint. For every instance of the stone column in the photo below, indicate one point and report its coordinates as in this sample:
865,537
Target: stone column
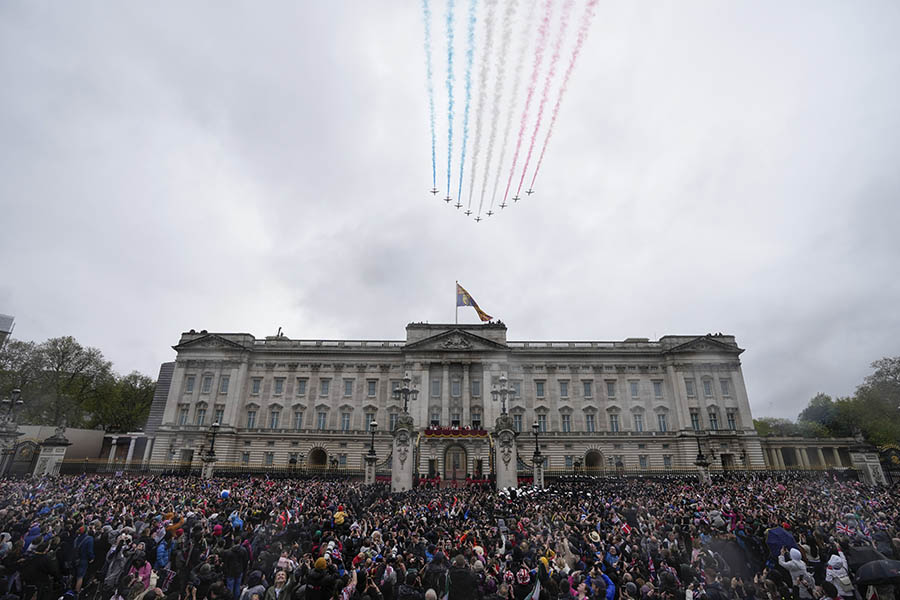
370,460
403,454
112,450
779,454
538,476
821,457
505,461
148,447
801,455
131,442
445,395
835,457
466,398
53,451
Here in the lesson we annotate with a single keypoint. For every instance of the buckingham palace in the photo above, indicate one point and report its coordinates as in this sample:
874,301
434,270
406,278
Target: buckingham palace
631,404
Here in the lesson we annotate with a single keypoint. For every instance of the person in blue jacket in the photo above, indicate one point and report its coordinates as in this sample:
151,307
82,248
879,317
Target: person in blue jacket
84,554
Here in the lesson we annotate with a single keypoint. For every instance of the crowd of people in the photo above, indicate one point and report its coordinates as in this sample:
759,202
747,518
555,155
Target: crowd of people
741,537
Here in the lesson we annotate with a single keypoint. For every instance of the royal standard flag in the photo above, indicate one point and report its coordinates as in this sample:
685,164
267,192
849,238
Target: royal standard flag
463,298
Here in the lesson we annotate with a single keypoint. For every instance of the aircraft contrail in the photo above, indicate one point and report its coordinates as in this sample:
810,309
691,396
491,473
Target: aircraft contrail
426,10
482,92
538,59
545,95
582,35
507,18
498,92
470,53
449,91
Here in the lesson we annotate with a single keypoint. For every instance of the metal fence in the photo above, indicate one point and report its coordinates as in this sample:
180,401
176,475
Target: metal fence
77,467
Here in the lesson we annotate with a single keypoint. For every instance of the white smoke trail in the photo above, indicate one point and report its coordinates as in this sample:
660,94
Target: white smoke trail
505,42
517,83
482,92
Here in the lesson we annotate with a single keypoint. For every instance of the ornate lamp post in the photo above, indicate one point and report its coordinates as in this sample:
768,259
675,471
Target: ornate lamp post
537,459
406,392
9,429
702,463
372,427
502,393
214,429
210,459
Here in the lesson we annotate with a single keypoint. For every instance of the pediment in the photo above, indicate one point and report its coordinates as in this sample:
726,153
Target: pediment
706,343
455,340
210,340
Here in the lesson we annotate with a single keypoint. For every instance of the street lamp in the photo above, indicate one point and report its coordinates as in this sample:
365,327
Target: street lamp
502,393
701,459
11,403
372,427
405,392
214,429
536,428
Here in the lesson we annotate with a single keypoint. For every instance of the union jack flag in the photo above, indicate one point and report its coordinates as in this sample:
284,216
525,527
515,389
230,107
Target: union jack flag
844,529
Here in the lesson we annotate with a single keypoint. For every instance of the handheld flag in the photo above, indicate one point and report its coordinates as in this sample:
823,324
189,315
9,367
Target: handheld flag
463,298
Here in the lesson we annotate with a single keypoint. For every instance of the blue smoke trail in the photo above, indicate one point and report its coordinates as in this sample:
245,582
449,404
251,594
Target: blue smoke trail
470,54
449,90
426,9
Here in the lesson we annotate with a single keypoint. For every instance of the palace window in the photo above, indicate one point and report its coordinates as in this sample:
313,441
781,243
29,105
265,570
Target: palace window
614,423
372,385
566,422
279,386
713,420
476,419
206,385
223,384
342,460
270,459
732,422
298,419
348,387
455,387
726,387
539,389
183,416
638,422
689,388
345,421
454,419
189,385
588,389
201,416
370,416
301,386
695,420
569,461
255,384
667,461
245,458
610,389
563,389
274,419
542,422
251,419
642,461
517,423
517,387
324,387
435,388
657,389
634,388
707,388
321,420
392,420
435,418
476,388
589,423
220,415
661,422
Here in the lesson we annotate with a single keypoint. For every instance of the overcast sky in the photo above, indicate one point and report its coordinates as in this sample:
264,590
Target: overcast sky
235,166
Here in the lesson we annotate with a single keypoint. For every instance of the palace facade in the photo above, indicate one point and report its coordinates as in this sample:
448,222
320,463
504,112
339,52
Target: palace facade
632,404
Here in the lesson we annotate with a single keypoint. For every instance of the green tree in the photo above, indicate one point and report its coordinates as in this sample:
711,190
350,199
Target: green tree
773,426
876,406
122,403
20,366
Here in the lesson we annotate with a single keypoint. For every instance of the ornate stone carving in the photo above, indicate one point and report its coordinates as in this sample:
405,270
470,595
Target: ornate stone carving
505,441
456,342
402,446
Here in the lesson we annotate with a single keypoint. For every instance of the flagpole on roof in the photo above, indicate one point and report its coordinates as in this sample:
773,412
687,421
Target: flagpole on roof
455,293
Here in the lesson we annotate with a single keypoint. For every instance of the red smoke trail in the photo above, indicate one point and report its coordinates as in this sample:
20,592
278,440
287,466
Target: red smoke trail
582,35
545,95
538,58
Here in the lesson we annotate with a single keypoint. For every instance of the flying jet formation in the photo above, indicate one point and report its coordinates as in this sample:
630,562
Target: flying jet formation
468,212
529,192
489,213
478,219
434,190
458,205
515,198
503,205
448,199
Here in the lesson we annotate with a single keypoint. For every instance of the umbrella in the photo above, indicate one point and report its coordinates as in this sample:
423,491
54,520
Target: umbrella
857,556
879,572
778,538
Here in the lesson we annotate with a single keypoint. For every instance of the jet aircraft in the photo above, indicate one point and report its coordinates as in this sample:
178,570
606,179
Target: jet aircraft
529,192
434,190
